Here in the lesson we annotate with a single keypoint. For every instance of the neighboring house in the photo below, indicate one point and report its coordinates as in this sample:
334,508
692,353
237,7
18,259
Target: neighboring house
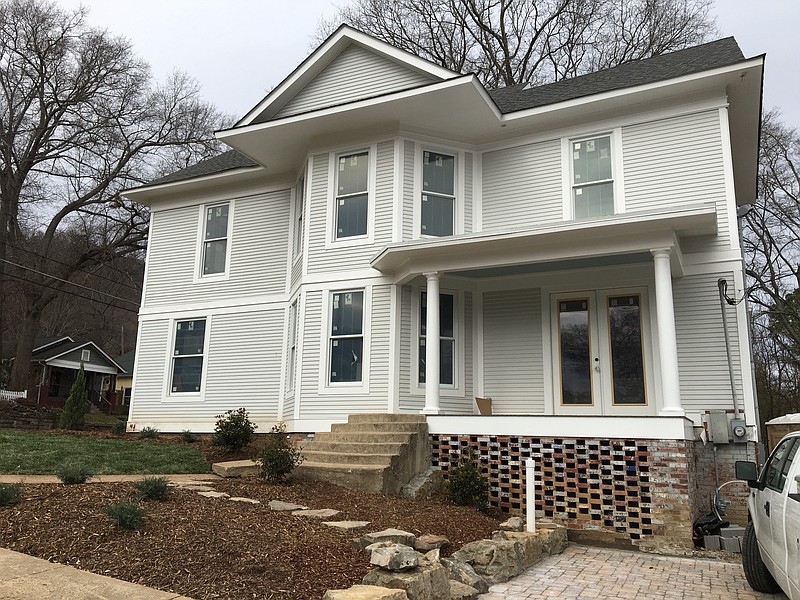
124,384
56,362
389,236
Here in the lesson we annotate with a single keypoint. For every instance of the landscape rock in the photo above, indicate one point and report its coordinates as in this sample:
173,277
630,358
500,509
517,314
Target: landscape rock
461,591
245,500
426,582
395,558
395,536
432,556
213,494
346,525
512,524
236,468
464,573
495,560
322,513
277,505
429,542
365,592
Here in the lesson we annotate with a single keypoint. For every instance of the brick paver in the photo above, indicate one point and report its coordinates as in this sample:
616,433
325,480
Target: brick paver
581,573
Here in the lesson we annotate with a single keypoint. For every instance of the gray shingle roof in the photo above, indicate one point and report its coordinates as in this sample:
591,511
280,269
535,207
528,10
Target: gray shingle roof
216,164
719,53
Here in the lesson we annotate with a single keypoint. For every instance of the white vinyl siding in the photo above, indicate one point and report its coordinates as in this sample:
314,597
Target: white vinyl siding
408,190
353,75
259,246
674,162
468,186
327,260
513,372
702,360
151,354
522,186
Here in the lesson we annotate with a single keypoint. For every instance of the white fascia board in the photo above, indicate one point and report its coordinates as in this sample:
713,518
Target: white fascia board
68,364
53,343
628,91
326,52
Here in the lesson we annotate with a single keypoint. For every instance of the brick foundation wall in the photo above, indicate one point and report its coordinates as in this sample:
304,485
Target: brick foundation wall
631,490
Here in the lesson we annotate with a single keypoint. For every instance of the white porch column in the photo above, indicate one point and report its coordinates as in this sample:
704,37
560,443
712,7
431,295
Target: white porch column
667,340
432,366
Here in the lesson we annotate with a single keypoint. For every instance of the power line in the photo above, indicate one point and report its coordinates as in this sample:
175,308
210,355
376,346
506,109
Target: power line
23,267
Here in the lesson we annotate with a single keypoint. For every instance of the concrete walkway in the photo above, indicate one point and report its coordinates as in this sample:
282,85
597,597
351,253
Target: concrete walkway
24,577
33,479
582,572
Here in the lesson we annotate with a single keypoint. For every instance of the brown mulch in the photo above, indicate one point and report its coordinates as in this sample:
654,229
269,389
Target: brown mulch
212,548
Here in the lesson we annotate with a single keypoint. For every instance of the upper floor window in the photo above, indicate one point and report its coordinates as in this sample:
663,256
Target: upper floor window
299,209
347,337
187,356
592,177
438,193
352,196
215,239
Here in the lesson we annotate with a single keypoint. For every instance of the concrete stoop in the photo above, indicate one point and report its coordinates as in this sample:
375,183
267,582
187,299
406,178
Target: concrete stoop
377,453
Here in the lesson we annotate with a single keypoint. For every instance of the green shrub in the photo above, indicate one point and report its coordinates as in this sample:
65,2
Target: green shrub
118,428
279,456
152,488
467,486
77,404
188,437
10,493
126,514
148,433
72,473
234,430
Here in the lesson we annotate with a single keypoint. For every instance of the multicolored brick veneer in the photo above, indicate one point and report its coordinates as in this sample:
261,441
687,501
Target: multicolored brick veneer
638,489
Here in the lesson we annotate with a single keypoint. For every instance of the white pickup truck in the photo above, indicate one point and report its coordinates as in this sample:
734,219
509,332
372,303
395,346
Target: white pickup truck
771,544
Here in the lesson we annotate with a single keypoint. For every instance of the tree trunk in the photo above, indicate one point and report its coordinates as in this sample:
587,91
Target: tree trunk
21,369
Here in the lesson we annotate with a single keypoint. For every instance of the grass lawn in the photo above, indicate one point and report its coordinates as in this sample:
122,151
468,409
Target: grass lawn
31,453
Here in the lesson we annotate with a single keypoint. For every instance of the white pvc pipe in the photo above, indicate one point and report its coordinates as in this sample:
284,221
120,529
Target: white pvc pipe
530,495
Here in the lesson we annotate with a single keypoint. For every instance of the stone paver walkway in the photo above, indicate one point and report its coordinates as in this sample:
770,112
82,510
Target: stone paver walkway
581,573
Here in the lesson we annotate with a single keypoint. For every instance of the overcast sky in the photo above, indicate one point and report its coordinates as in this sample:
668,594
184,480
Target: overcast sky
240,49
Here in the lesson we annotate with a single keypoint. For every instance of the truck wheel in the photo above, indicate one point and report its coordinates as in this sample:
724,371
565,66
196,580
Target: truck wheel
759,578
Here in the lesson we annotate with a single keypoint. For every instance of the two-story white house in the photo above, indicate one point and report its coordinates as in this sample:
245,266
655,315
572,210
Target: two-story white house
389,236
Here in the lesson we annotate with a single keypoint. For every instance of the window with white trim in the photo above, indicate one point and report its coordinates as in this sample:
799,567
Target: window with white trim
215,239
352,195
447,339
299,209
292,345
438,194
86,355
592,177
346,339
187,356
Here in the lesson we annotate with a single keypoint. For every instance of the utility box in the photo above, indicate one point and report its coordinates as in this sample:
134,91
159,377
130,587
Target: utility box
718,427
739,431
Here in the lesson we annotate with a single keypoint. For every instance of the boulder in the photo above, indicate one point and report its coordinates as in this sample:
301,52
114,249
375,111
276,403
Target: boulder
365,592
396,536
429,542
494,560
512,524
426,582
461,591
464,573
395,558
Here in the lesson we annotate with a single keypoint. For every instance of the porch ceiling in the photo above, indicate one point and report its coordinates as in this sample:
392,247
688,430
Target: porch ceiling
517,251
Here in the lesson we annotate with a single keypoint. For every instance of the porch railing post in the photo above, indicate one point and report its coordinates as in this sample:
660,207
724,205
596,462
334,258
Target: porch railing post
667,339
432,366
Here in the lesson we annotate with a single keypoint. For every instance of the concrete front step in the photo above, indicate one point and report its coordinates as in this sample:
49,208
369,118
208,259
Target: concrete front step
385,418
366,478
354,447
379,426
385,460
366,437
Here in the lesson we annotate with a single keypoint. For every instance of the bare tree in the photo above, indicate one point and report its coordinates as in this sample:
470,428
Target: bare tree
506,42
80,119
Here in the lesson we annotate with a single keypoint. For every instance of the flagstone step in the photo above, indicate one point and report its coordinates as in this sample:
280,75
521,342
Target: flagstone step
236,468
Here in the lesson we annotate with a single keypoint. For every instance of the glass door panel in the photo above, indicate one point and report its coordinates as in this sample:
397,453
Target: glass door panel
627,352
575,352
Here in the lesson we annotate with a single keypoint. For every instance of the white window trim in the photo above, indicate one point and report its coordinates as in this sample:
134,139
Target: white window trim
293,338
168,394
568,208
457,390
86,355
331,240
459,185
326,387
299,207
199,254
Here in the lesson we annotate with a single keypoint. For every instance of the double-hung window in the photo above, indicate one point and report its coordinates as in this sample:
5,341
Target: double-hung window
187,355
352,195
347,337
438,194
299,208
592,177
292,345
215,239
447,339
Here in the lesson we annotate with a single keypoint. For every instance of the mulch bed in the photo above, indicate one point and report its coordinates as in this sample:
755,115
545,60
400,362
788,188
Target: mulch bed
213,548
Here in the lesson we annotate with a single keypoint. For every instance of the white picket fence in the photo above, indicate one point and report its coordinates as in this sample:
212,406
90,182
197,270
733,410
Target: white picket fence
9,395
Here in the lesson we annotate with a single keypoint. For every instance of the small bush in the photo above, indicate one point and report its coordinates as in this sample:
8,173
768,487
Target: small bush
148,433
126,514
188,437
152,488
280,455
118,428
234,430
467,486
72,473
10,493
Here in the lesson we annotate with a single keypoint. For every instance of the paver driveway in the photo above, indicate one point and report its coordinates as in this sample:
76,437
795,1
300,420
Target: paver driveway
582,572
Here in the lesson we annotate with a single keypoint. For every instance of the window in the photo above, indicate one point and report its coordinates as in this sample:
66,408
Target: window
777,468
438,194
86,355
299,207
447,340
292,345
215,239
352,197
346,337
187,356
126,396
592,178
